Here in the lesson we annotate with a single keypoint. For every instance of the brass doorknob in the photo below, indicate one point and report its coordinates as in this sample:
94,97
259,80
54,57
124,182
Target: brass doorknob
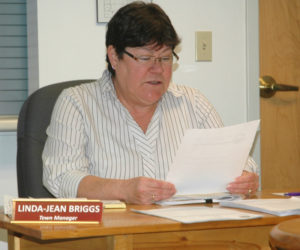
268,87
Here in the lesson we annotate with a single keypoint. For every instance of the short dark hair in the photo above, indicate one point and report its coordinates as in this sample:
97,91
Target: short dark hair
138,24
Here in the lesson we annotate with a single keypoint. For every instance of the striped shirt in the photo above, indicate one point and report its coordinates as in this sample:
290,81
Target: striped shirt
92,133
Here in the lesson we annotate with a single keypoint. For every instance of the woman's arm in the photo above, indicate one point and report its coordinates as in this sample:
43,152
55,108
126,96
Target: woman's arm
139,190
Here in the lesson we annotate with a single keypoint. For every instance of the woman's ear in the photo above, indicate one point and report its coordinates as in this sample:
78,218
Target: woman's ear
112,56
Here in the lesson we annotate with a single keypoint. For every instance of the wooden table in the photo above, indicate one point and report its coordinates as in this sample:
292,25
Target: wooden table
124,229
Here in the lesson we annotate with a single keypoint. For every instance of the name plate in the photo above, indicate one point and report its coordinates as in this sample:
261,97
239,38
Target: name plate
56,211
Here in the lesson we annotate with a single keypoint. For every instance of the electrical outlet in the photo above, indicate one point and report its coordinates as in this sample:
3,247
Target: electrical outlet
203,45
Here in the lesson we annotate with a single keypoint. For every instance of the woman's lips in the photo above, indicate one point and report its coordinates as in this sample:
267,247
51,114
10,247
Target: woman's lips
154,82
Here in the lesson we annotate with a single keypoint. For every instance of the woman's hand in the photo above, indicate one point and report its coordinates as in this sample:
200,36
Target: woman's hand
143,190
247,183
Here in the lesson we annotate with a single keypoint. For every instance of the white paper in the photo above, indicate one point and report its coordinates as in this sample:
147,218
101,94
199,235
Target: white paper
193,214
279,207
107,8
208,159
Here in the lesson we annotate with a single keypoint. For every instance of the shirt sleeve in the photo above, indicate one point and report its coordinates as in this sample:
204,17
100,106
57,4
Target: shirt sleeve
251,166
208,117
64,159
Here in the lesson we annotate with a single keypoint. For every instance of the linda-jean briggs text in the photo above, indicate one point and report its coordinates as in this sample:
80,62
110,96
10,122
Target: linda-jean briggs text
51,208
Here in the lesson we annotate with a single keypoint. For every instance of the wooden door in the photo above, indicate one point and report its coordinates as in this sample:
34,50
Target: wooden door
280,114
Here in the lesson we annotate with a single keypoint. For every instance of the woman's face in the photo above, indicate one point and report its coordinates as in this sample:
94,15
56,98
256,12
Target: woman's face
139,83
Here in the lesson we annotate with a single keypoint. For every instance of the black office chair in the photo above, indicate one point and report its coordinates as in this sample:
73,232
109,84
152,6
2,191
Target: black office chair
33,121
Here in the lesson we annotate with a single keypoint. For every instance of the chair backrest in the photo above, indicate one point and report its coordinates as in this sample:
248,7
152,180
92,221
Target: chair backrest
33,121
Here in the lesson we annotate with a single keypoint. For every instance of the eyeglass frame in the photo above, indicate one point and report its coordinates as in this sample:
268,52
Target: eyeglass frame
138,58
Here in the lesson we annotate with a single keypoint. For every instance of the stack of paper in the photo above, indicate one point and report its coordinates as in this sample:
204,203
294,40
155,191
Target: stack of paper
207,160
193,214
113,204
279,207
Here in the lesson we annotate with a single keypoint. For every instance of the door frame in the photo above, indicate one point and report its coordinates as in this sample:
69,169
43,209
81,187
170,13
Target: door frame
252,70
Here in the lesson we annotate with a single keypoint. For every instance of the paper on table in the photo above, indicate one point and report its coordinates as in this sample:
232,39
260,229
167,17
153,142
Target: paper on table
193,214
208,159
279,207
113,204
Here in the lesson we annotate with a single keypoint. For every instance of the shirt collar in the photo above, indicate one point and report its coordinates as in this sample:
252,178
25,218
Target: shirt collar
174,90
107,83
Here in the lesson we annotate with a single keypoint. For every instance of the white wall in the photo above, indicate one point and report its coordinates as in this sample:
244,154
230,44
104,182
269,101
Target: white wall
223,80
8,174
65,43
8,183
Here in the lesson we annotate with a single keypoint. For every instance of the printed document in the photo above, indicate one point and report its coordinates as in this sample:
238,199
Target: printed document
208,159
279,207
193,214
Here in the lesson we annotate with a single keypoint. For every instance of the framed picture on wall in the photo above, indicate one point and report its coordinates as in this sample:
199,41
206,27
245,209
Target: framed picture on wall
107,8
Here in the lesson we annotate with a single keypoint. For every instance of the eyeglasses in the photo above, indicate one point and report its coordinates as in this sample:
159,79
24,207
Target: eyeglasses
150,60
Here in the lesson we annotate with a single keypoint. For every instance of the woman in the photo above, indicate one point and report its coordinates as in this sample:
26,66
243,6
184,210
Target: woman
116,138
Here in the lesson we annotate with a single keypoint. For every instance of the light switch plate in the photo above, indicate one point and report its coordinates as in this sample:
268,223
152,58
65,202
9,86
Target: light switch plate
203,46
